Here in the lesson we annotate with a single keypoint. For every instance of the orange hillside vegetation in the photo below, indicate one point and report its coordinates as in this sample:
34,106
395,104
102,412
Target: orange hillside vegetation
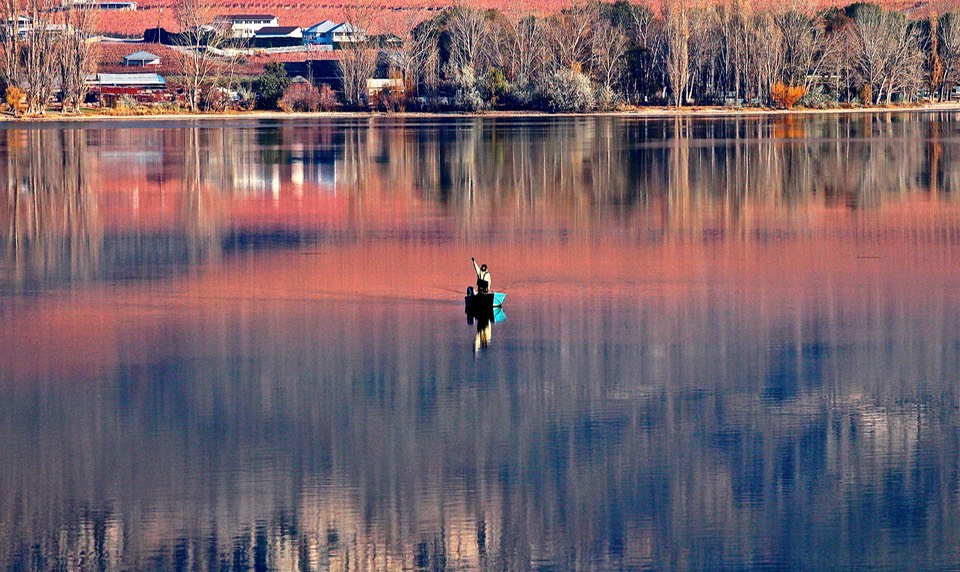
151,13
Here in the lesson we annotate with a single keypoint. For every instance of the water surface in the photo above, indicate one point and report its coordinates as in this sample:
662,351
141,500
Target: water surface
728,343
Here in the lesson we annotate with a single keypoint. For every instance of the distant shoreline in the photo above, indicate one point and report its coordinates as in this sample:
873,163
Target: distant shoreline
642,113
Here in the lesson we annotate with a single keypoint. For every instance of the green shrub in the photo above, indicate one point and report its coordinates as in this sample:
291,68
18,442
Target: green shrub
270,85
495,87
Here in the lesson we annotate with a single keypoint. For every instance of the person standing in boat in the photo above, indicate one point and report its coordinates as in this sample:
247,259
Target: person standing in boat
483,277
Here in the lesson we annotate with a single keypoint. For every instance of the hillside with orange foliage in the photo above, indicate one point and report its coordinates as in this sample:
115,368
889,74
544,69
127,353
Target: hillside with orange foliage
110,57
304,14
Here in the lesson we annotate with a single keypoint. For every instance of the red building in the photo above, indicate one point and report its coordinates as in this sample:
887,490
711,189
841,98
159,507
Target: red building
107,88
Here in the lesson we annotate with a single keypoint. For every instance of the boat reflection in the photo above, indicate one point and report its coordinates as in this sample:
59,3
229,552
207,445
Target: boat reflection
484,319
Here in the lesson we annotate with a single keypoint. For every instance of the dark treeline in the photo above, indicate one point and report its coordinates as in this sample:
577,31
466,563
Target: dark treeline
736,52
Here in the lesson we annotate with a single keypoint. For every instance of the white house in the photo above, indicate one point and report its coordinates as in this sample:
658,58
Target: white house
347,32
245,25
25,24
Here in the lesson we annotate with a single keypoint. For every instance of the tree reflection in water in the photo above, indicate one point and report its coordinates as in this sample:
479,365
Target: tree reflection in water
733,342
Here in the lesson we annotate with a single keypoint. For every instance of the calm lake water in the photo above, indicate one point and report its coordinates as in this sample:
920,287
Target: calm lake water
727,343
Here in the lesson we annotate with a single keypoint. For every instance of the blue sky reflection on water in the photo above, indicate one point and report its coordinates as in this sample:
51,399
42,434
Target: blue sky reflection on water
730,343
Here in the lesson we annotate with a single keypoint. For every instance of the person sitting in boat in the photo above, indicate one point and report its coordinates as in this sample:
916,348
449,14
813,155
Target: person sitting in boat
483,277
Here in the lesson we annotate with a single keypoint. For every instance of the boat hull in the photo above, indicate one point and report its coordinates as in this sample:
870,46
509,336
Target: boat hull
484,302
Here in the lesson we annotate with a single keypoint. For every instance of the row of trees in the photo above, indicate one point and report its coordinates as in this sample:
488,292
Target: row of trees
48,48
590,55
594,55
45,49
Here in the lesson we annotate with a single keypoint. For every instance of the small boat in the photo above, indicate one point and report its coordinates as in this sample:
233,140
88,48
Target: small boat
476,303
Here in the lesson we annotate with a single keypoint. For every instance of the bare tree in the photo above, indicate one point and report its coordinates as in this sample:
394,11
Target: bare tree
199,38
806,46
705,52
949,51
469,36
735,28
934,61
871,39
570,34
29,41
12,13
677,27
906,64
646,37
416,56
76,55
768,62
886,50
39,68
608,46
522,45
358,59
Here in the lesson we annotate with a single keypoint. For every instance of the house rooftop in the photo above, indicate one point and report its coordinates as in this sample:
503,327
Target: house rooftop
347,28
234,17
322,27
132,79
141,56
277,30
